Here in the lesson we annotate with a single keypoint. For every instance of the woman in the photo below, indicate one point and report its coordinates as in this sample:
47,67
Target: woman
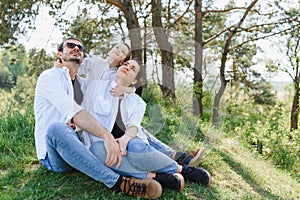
122,116
94,68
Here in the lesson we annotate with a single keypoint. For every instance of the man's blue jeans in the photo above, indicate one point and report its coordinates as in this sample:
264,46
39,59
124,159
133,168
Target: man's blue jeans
65,152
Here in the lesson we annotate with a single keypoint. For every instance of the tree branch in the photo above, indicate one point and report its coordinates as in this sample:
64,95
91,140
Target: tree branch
223,10
257,26
186,10
217,35
259,38
118,4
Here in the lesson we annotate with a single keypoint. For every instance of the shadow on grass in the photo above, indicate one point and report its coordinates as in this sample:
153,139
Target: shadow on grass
247,176
42,184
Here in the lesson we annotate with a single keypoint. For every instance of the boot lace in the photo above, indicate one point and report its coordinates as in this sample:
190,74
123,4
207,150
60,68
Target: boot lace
136,188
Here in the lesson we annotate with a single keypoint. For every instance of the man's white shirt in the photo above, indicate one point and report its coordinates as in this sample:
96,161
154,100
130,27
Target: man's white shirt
54,102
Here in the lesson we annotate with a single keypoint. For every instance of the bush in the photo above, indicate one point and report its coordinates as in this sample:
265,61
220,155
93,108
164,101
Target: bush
266,130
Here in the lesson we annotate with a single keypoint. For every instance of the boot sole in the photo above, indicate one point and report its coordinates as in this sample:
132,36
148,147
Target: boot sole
197,158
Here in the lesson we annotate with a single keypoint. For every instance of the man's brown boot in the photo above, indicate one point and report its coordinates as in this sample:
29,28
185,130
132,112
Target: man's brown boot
145,188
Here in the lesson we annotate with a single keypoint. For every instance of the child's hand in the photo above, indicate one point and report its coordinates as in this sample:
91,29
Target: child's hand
58,63
118,90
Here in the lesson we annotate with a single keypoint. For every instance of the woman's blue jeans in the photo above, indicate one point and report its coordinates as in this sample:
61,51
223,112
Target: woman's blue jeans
140,156
158,145
65,152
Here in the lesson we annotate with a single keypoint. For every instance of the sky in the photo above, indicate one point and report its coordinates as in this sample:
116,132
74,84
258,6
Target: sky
47,36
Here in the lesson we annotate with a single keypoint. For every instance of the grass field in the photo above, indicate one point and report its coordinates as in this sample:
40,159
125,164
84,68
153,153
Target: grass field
237,173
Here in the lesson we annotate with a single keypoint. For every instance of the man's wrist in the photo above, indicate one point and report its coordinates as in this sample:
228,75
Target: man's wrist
106,135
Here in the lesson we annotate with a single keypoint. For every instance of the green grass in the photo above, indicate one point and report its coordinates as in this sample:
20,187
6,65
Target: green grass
237,172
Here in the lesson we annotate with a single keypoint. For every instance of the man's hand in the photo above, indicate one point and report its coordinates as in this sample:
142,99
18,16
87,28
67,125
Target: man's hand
85,121
71,125
113,155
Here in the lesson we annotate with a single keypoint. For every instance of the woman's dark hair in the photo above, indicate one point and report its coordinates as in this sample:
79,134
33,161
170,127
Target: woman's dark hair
140,73
139,78
61,46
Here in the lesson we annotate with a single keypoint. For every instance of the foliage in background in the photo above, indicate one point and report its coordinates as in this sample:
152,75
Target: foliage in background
12,14
13,63
265,129
19,71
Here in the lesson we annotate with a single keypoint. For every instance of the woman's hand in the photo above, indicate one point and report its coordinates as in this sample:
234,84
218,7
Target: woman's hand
123,142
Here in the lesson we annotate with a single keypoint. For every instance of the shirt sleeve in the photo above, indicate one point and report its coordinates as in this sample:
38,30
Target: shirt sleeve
136,112
83,67
50,86
92,68
76,107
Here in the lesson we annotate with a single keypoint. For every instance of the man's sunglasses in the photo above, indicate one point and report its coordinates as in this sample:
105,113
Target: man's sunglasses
73,45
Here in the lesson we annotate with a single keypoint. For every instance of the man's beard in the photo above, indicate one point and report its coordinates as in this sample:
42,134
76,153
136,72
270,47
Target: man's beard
74,60
77,61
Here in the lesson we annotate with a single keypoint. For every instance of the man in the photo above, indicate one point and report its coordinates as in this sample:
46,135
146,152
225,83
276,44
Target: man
57,111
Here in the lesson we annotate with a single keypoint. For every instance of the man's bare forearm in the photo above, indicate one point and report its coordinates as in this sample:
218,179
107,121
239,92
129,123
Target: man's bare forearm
85,121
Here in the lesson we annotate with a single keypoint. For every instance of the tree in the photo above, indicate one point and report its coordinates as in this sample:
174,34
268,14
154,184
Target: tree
225,52
290,31
4,77
13,64
132,25
294,59
133,28
13,14
168,84
215,31
38,61
293,54
198,79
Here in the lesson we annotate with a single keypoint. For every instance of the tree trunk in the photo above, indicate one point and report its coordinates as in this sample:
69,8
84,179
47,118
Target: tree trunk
217,99
293,45
223,80
134,33
198,80
168,84
295,106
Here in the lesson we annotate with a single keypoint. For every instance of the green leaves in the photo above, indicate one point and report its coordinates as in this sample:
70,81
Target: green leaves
13,15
